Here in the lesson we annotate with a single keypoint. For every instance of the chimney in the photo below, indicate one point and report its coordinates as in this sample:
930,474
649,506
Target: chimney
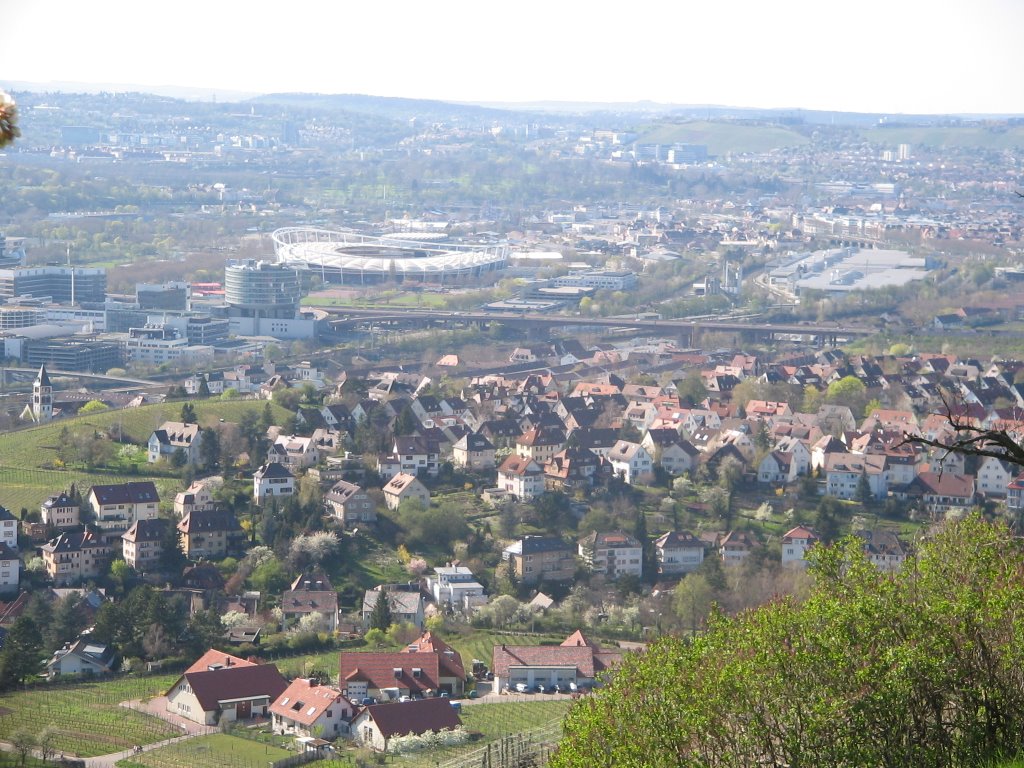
227,661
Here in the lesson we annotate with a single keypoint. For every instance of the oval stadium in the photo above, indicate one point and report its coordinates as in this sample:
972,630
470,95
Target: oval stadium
351,258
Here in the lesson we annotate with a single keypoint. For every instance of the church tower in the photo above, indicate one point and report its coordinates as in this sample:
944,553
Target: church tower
42,397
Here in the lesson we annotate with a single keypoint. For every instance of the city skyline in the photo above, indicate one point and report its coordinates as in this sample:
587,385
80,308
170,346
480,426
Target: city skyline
907,57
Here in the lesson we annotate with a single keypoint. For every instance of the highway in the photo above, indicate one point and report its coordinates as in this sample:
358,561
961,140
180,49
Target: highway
346,316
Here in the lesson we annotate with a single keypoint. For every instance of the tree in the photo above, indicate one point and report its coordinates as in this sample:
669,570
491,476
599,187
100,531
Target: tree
380,617
21,654
204,387
209,449
94,406
692,389
23,741
864,494
406,422
8,121
923,660
188,413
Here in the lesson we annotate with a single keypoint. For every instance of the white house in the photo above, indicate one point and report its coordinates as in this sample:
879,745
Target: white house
308,709
993,476
350,504
843,473
83,657
404,487
615,554
795,544
631,462
672,452
8,529
10,569
295,452
118,507
678,552
777,468
173,436
60,511
456,586
271,481
522,477
379,723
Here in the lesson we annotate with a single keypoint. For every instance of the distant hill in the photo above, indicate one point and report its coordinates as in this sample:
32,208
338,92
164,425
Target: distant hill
996,136
385,106
723,137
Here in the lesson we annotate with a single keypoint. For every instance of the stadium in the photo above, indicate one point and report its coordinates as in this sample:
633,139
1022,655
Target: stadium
350,258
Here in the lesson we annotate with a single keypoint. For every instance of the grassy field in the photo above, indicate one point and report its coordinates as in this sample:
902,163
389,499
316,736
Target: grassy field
397,298
722,137
209,752
88,717
28,456
996,137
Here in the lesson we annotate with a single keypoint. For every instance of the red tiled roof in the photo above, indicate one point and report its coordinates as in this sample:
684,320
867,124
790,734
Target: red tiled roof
417,717
378,670
214,658
304,701
235,683
450,659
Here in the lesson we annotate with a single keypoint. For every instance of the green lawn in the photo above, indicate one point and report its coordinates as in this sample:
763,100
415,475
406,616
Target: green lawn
28,457
87,716
398,298
209,752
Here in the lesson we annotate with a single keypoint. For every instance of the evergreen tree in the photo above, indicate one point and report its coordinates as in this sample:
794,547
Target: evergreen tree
188,413
209,449
204,388
380,617
21,656
405,422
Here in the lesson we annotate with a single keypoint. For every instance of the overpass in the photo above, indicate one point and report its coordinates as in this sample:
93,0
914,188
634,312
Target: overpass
350,318
28,374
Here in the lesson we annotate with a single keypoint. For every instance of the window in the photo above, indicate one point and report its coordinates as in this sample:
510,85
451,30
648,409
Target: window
417,672
398,672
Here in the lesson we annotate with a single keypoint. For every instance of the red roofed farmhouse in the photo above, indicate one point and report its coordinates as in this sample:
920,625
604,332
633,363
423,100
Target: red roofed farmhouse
578,661
377,724
228,689
308,709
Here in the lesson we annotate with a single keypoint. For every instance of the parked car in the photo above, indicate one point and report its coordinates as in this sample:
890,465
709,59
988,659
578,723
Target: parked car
522,688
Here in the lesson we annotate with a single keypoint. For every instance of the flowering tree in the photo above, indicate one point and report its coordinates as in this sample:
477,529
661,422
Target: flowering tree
8,120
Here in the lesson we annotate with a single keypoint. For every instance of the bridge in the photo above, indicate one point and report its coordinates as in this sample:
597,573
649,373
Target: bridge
28,374
346,318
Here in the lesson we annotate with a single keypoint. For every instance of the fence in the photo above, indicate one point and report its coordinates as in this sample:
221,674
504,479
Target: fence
299,759
522,750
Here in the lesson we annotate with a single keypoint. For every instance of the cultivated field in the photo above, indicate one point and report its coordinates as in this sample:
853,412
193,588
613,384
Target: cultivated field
87,716
209,752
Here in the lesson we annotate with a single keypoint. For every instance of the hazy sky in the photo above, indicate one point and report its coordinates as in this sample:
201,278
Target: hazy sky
861,55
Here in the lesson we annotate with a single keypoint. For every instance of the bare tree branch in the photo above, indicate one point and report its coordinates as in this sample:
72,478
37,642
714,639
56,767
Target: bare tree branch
971,440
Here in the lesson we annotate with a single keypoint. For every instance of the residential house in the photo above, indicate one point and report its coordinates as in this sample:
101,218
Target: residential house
338,417
311,594
571,469
668,449
142,544
61,510
883,548
75,557
10,569
272,480
800,454
416,454
994,475
678,552
405,487
210,534
578,662
294,452
1015,493
84,657
350,504
473,452
736,546
306,708
795,544
225,693
8,529
615,554
377,724
451,673
631,462
405,601
521,477
843,473
456,587
942,492
540,444
389,675
173,436
199,495
777,468
117,507
537,558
